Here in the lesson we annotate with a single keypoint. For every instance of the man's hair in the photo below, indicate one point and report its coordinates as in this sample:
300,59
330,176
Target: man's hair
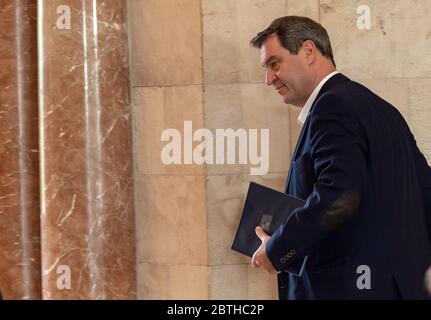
293,31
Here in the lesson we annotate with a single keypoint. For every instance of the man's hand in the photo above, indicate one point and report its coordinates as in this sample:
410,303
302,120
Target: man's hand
428,280
260,259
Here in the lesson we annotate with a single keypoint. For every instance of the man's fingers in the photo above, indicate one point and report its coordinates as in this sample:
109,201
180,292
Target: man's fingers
428,280
260,233
254,262
269,269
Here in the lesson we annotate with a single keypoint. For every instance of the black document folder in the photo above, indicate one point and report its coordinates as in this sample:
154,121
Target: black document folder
265,207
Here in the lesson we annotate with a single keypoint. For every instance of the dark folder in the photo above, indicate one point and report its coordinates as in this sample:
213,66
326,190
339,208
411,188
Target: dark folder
265,207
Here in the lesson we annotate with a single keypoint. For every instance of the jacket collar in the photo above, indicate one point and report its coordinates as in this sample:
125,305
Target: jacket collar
332,82
307,106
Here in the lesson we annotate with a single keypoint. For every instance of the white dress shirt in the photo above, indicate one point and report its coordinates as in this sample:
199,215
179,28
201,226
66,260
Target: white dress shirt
307,106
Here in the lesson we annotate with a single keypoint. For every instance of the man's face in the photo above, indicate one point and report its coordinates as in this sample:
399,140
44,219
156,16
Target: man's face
289,74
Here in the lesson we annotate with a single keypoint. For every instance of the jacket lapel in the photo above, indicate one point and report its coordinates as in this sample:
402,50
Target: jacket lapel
333,81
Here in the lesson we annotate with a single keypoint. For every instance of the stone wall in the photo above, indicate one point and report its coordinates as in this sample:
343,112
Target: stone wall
191,61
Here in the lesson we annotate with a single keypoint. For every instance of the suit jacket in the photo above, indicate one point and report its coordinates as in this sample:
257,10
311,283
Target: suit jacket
366,223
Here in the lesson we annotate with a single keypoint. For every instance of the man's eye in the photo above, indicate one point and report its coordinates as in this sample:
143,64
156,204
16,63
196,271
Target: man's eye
274,65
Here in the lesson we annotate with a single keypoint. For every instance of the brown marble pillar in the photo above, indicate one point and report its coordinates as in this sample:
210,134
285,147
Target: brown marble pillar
19,181
87,216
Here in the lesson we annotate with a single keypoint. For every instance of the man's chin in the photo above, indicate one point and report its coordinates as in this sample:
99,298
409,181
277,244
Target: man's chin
286,100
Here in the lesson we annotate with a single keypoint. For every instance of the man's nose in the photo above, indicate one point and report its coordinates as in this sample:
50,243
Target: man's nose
270,77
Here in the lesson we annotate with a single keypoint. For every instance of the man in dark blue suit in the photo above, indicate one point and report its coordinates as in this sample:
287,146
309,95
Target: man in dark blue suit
364,232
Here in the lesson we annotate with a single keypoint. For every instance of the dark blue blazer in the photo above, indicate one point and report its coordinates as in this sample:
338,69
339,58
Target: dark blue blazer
368,202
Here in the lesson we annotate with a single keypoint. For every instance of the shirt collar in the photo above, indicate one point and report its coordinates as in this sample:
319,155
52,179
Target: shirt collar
307,106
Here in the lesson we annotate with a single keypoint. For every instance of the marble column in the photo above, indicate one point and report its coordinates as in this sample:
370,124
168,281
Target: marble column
87,216
19,181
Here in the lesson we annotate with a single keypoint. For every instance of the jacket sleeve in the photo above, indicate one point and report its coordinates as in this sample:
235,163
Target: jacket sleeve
427,194
338,152
427,198
424,174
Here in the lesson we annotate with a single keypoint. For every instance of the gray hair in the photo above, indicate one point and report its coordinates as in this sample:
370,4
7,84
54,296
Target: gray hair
293,31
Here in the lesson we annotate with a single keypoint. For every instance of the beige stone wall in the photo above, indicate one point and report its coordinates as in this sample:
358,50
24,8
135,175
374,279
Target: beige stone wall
167,88
191,61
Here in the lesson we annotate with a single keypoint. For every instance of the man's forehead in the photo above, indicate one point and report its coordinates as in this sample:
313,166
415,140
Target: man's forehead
270,48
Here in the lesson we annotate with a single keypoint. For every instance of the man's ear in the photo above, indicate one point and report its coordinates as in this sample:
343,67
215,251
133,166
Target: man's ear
310,50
